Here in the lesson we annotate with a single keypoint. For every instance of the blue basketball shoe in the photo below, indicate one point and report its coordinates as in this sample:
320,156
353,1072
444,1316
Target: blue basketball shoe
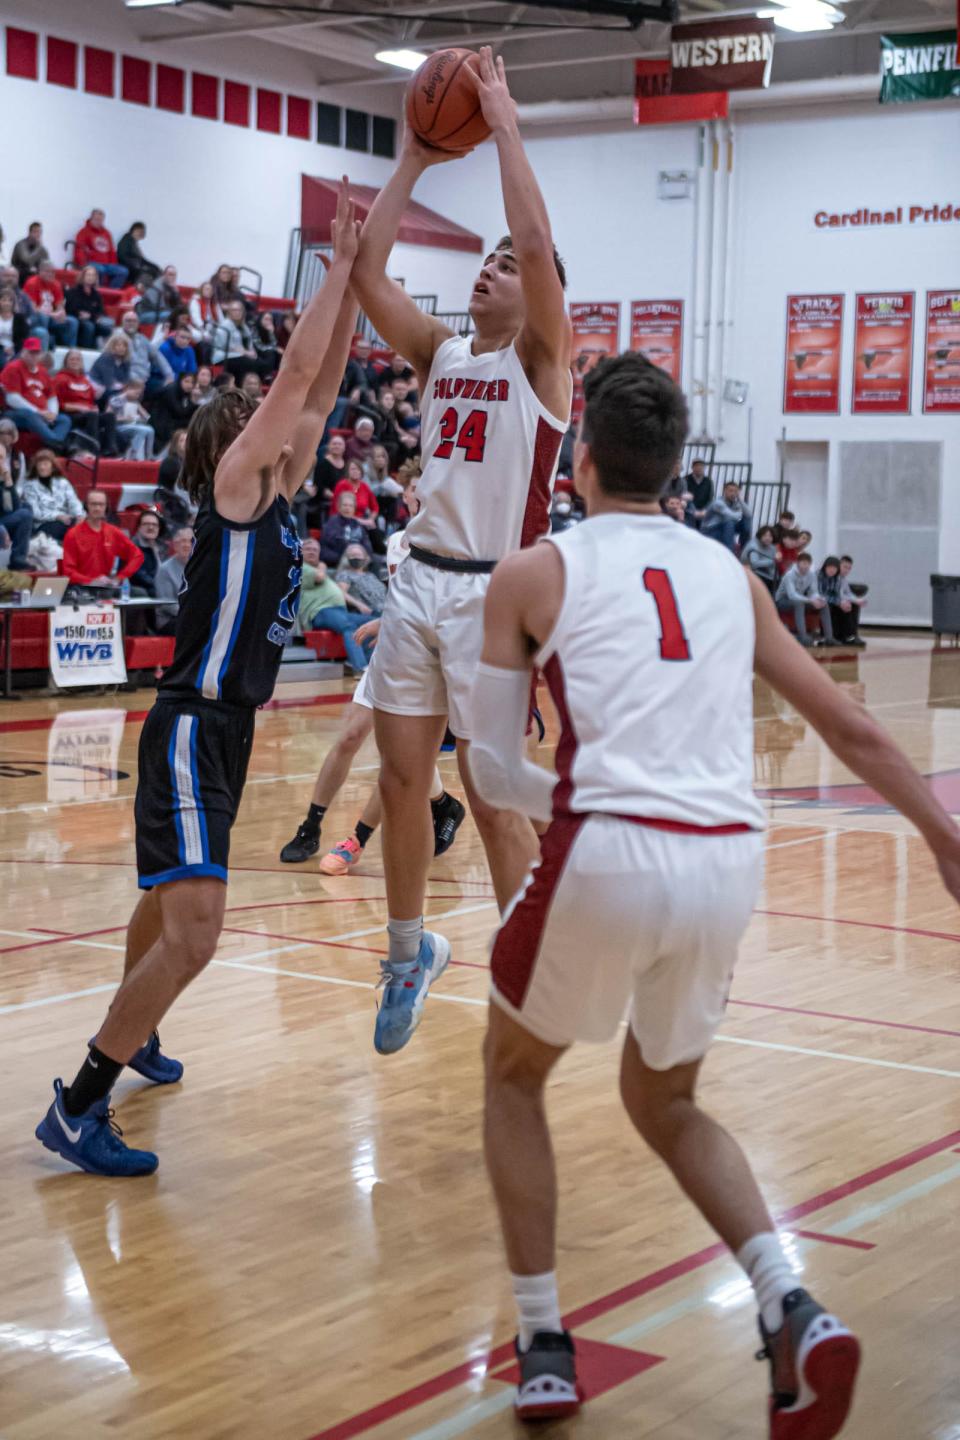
92,1140
405,988
152,1064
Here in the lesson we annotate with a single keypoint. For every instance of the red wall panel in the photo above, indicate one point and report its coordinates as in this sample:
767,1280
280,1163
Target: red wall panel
236,103
205,97
268,111
61,62
22,53
97,71
298,117
135,82
171,81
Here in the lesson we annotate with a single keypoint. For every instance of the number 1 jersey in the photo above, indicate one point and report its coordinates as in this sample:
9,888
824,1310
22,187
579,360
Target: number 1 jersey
490,450
650,666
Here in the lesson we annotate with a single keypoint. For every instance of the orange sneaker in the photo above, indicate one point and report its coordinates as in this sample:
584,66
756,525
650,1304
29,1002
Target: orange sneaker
341,857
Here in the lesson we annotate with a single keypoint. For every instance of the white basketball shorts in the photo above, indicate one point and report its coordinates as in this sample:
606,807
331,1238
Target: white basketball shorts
619,918
429,645
360,696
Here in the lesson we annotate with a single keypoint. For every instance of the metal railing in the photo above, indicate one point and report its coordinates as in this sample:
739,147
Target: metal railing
767,500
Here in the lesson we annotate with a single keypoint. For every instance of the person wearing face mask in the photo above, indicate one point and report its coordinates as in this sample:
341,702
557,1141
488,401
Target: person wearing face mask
16,517
363,591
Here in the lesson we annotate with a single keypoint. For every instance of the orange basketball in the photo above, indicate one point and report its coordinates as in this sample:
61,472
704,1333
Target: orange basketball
442,104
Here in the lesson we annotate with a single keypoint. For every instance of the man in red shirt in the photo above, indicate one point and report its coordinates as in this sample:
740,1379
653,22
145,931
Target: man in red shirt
46,293
30,400
94,246
93,547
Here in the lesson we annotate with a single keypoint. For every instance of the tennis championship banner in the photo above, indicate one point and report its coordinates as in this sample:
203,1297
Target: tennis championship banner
655,104
882,354
86,646
811,381
919,67
656,331
721,55
596,333
941,375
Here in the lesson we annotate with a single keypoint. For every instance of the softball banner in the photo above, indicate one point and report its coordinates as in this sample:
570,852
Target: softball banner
596,333
882,354
919,67
811,381
656,331
941,372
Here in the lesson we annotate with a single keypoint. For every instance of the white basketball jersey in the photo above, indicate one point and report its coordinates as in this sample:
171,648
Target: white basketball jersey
490,450
650,666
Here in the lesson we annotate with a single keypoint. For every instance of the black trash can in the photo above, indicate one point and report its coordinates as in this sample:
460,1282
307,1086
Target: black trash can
946,604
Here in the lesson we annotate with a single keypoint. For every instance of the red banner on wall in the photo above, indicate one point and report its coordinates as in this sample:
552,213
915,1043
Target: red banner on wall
596,333
941,368
656,331
655,104
811,381
882,354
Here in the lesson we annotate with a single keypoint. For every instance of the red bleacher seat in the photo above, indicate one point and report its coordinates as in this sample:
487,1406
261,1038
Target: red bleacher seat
813,622
148,652
29,640
275,302
128,472
325,644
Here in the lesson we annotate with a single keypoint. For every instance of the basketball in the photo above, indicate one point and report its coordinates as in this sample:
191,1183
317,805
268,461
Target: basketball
442,104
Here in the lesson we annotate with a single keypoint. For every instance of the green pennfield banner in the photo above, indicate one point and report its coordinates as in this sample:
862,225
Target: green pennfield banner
919,67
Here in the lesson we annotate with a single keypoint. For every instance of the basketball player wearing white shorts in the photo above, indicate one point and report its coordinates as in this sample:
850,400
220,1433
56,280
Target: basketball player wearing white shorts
648,634
494,407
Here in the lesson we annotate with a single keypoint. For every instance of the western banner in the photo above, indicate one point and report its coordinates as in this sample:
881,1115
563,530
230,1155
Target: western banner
811,382
656,331
86,646
721,55
941,370
655,104
882,354
596,333
919,67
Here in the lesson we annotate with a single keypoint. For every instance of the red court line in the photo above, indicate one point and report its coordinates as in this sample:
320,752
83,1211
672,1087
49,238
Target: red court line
835,1239
850,1019
862,924
132,717
459,1374
332,944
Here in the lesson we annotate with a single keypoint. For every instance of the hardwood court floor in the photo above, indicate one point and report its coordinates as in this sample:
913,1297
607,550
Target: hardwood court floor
317,1255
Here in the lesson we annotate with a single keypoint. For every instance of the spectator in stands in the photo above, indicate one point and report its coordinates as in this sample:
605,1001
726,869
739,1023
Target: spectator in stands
29,253
797,593
146,537
147,360
728,519
160,298
786,522
225,288
85,303
288,321
400,369
673,506
132,258
323,606
224,382
252,386
700,486
24,306
203,390
178,352
169,580
265,344
94,246
94,549
364,592
10,437
111,370
78,399
30,396
170,494
788,548
133,422
805,539
233,347
366,509
845,609
16,516
51,497
360,443
173,408
355,389
561,513
46,295
760,555
205,315
331,468
387,490
13,327
341,530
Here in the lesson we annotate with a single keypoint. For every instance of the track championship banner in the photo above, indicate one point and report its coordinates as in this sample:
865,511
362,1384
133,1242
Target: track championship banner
919,67
596,333
86,646
721,55
882,354
655,104
811,382
941,375
656,331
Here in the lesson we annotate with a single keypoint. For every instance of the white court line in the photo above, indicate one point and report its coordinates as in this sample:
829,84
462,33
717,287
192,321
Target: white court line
57,999
337,980
836,1055
807,840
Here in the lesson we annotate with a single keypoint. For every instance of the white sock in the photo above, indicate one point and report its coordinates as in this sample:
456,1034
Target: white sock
770,1274
538,1307
404,937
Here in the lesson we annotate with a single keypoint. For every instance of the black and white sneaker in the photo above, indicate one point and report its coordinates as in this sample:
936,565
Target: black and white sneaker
305,843
813,1369
448,816
548,1388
